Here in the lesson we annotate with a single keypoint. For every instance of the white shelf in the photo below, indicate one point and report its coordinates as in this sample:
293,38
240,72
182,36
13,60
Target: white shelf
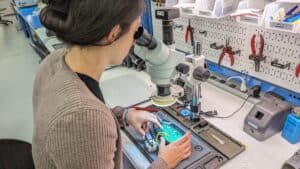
288,1
251,12
251,20
206,8
218,9
279,25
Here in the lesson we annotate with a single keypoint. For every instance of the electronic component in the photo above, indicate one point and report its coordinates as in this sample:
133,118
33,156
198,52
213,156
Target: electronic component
150,144
170,132
266,117
254,91
185,113
203,123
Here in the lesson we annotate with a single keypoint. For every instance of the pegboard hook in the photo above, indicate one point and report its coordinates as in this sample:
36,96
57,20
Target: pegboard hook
214,46
275,63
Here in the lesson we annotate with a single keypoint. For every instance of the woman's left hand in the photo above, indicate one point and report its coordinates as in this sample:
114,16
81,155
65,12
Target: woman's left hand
139,120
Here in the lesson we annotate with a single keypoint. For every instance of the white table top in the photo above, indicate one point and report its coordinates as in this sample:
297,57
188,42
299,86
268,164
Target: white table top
270,154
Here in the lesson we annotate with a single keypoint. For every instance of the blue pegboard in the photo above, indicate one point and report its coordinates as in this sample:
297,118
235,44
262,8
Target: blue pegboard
30,15
147,18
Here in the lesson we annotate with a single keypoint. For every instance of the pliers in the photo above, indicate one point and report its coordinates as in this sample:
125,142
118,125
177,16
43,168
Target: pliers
261,46
257,57
227,50
189,32
298,71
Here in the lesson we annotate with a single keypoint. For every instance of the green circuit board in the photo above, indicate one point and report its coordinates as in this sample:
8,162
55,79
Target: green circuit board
170,132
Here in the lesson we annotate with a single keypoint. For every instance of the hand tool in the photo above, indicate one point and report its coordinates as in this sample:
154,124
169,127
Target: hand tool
298,70
145,109
228,50
189,32
214,46
204,32
275,63
257,57
292,10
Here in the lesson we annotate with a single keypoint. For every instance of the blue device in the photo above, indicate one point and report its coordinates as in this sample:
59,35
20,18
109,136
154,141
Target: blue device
185,113
291,129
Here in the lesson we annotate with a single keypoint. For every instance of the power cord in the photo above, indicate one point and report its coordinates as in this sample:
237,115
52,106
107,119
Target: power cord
215,113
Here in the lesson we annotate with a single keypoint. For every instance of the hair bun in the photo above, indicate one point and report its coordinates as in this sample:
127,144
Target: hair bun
53,20
61,6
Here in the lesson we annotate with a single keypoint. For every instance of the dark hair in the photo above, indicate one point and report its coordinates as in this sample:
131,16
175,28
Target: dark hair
86,22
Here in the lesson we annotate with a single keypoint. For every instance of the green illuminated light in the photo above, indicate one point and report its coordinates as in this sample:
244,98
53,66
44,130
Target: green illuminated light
171,133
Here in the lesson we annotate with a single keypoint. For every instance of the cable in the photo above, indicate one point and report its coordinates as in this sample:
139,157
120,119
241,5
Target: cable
232,114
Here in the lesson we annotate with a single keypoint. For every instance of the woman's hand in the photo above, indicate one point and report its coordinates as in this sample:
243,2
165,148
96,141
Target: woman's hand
139,120
175,152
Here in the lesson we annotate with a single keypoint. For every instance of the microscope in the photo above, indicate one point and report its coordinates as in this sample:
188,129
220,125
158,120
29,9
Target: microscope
163,62
161,58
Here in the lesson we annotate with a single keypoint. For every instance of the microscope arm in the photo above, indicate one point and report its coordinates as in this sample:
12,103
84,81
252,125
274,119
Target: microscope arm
159,62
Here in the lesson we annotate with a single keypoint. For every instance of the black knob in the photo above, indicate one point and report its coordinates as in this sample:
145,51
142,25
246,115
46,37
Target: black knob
201,74
183,68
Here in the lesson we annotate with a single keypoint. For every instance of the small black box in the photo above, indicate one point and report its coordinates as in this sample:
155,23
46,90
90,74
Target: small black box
167,13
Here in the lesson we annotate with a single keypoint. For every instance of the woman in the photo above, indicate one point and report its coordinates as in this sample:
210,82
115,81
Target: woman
73,129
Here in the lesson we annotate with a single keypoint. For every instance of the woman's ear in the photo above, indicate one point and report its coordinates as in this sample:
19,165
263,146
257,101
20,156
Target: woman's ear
114,33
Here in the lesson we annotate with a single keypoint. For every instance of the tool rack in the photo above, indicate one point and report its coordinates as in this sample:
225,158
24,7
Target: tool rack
281,51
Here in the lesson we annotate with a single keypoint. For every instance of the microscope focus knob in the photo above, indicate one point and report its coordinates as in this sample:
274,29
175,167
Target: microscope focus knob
201,74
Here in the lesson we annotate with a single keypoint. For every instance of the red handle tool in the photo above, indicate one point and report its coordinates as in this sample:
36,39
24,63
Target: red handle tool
298,71
230,54
145,109
261,46
227,50
189,33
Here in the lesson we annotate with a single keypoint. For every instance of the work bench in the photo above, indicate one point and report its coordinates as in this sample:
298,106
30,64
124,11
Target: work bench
35,31
117,86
